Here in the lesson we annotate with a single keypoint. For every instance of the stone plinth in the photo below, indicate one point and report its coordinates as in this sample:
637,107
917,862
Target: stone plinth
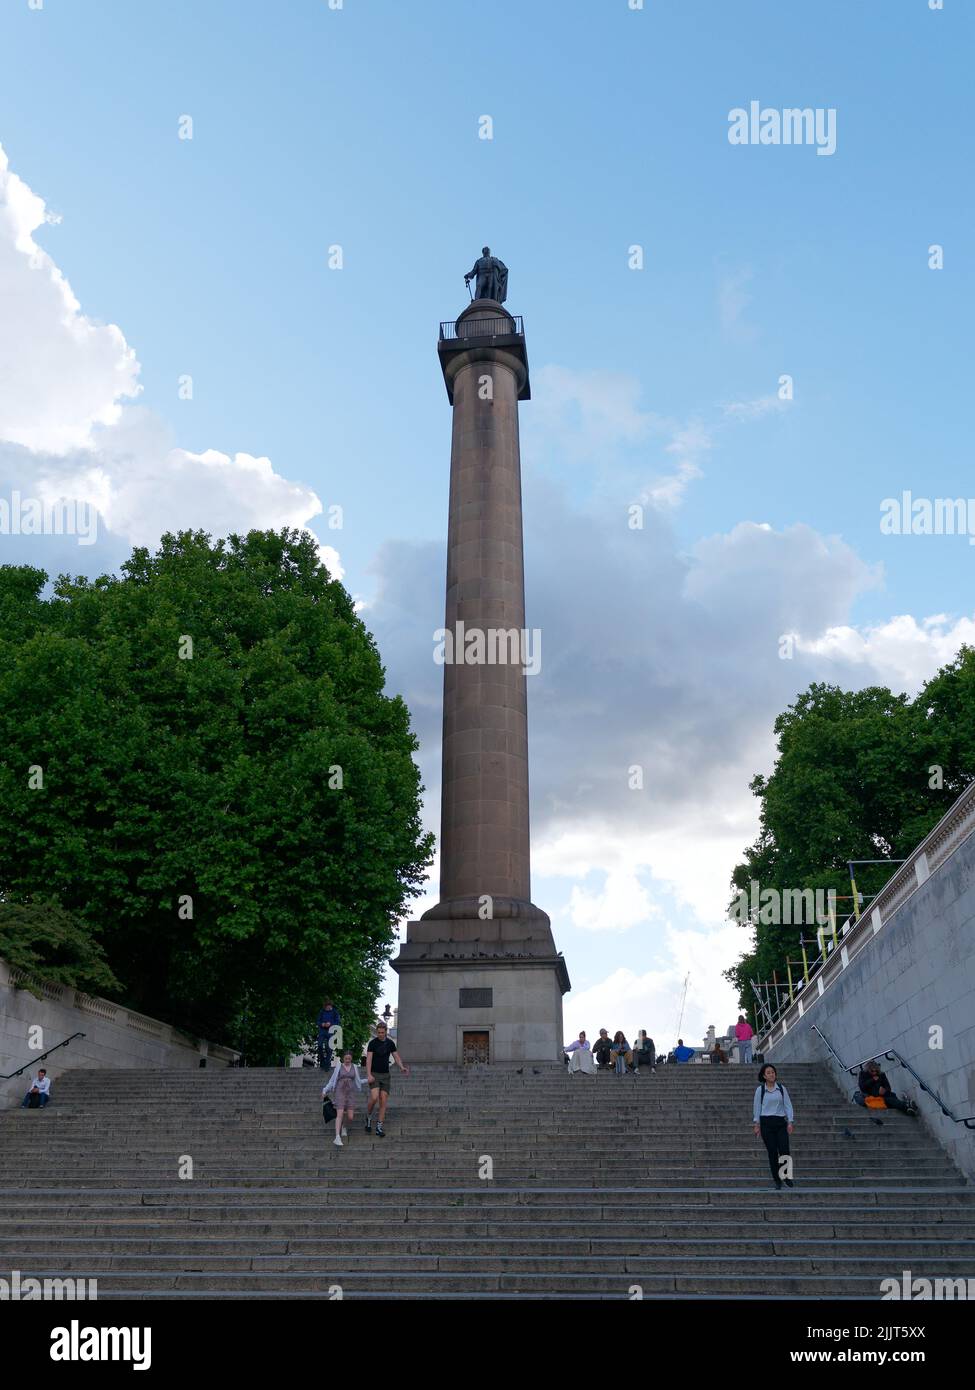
505,988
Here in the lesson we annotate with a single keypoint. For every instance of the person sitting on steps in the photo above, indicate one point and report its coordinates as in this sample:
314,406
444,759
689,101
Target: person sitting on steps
603,1051
40,1092
579,1056
645,1054
873,1082
622,1055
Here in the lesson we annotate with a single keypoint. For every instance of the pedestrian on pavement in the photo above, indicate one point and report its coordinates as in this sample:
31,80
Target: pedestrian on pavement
744,1033
342,1086
380,1052
772,1116
682,1053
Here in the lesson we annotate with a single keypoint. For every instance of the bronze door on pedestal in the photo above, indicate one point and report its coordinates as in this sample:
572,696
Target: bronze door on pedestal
476,1047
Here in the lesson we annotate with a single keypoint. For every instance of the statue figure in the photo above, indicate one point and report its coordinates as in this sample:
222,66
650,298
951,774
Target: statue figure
491,276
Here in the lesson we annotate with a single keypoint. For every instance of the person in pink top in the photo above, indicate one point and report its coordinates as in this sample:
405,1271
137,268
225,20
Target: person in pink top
744,1033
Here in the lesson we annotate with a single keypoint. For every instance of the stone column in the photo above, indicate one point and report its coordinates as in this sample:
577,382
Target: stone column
484,956
484,839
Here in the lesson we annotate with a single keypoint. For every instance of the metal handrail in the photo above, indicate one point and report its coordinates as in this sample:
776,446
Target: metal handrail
890,1054
835,1055
492,327
40,1058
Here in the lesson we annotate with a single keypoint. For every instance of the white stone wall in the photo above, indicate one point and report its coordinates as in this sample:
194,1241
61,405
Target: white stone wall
114,1036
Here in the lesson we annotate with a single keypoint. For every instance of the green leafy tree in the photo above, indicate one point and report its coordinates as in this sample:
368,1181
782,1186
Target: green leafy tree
48,944
222,792
859,775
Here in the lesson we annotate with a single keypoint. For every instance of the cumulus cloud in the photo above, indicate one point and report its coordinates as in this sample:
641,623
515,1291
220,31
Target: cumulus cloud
620,903
68,431
61,374
902,652
632,999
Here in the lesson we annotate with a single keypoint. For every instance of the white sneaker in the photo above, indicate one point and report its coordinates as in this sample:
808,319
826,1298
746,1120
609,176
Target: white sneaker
345,1132
338,1141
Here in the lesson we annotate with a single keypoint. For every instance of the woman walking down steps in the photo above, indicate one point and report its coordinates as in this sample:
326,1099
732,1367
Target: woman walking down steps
343,1084
772,1115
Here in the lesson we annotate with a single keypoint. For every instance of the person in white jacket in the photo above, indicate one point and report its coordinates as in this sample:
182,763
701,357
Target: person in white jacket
580,1056
342,1086
42,1085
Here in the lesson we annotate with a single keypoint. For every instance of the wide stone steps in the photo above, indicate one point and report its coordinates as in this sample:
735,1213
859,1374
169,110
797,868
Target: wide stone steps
599,1184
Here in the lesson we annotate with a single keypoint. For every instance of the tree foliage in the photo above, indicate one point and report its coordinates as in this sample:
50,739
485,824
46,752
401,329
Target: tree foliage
860,775
48,944
236,822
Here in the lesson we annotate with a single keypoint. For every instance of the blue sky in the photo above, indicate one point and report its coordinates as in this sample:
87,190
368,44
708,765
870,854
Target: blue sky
358,127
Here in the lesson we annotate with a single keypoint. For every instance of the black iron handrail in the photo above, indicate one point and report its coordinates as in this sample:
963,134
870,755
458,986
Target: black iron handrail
494,327
40,1058
891,1054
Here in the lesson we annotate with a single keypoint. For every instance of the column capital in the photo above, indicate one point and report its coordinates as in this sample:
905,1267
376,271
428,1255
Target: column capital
484,332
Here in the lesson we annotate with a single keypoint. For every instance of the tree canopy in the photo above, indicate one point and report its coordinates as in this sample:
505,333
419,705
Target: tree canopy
198,762
860,775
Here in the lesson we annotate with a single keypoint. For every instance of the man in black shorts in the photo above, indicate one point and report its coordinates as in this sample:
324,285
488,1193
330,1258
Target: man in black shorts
378,1055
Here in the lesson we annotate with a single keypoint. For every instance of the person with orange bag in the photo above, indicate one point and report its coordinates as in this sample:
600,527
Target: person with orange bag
873,1086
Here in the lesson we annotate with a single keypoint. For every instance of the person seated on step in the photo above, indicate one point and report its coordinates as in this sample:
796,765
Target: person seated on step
873,1082
717,1055
645,1054
40,1092
682,1053
603,1051
622,1056
579,1055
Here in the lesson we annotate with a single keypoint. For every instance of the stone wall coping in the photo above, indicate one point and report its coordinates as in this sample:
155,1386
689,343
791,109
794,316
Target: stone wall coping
68,998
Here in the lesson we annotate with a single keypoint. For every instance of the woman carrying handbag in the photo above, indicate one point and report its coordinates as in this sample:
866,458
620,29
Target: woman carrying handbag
341,1087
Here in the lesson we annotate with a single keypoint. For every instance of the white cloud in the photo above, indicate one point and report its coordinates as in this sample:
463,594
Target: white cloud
622,902
61,374
744,411
901,652
66,432
631,999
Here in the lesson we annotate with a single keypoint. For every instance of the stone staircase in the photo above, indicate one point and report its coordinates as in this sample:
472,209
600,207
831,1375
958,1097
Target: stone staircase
599,1184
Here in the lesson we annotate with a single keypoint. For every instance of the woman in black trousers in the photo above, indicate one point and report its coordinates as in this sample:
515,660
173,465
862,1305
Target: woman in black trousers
772,1115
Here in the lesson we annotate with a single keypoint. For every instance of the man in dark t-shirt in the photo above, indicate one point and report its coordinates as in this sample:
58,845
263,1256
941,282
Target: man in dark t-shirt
380,1052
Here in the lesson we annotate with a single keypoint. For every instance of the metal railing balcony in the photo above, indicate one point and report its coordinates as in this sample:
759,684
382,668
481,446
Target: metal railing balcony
491,326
